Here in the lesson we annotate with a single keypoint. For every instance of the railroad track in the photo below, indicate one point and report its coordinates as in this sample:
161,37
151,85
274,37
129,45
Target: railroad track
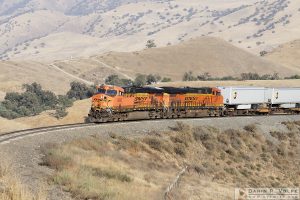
15,135
7,137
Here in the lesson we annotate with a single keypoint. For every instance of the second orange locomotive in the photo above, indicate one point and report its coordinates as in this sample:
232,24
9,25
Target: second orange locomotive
113,103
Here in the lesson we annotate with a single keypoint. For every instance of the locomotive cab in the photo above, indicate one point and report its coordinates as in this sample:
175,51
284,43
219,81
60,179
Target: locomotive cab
110,90
105,95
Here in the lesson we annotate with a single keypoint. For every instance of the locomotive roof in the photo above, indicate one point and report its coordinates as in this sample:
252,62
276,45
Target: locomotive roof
184,90
169,90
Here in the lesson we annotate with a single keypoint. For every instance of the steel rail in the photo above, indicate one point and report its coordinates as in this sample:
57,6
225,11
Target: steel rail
21,133
5,137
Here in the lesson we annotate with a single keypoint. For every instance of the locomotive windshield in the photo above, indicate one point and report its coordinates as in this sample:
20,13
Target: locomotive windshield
107,92
111,92
101,91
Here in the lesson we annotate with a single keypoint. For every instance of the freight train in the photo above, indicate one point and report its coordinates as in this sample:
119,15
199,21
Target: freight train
113,103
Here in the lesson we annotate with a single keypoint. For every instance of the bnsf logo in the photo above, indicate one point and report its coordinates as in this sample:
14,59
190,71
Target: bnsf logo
140,99
190,98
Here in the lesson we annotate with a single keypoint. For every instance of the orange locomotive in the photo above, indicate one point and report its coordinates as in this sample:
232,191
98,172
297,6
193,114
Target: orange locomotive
113,103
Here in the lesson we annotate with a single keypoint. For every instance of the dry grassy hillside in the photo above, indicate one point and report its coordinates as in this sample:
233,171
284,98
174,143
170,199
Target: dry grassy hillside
200,55
40,29
15,74
218,161
287,55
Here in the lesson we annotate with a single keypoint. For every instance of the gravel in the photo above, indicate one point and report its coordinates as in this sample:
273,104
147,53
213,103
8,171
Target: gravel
25,156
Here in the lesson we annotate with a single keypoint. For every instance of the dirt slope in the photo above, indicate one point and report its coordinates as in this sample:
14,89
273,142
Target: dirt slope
287,55
200,55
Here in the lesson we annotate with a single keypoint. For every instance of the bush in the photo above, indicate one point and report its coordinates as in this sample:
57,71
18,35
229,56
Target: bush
60,112
188,76
154,143
255,76
179,149
115,80
111,174
293,77
204,77
150,44
64,101
80,91
153,78
165,79
250,128
32,102
140,80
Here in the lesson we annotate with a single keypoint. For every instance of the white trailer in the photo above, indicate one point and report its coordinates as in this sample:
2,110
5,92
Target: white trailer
243,97
285,97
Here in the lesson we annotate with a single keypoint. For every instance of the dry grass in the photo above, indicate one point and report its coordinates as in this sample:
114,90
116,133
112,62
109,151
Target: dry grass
97,168
197,55
254,83
12,189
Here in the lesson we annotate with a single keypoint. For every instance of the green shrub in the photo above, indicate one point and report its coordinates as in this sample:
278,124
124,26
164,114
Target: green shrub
188,76
60,112
115,80
80,91
32,102
64,101
153,78
140,80
165,79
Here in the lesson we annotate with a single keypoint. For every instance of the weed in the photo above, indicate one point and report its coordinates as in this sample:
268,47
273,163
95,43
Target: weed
154,143
250,128
179,149
180,127
111,174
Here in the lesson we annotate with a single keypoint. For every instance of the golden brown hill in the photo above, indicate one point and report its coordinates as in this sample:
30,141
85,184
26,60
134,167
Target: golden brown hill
206,54
15,74
287,55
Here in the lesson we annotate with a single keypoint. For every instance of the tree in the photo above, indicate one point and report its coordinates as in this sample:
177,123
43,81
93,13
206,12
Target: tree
204,77
60,112
153,78
165,79
250,76
35,100
140,80
296,76
150,44
33,88
48,99
188,76
80,91
115,80
263,53
64,101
